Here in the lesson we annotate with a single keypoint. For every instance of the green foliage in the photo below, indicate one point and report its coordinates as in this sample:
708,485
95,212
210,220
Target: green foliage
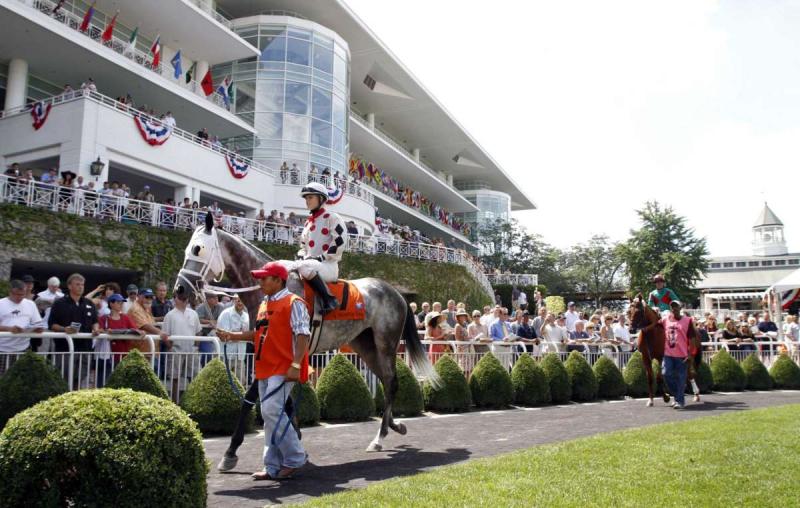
755,374
408,401
212,403
727,373
29,381
555,304
308,412
785,373
610,383
636,377
581,377
560,387
379,399
102,448
342,392
597,266
664,244
531,387
453,395
136,373
490,383
704,378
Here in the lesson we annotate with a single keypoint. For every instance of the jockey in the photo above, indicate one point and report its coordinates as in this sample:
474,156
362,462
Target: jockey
323,241
661,297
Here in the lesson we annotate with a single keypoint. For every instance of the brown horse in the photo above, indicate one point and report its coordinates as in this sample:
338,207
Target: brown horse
651,344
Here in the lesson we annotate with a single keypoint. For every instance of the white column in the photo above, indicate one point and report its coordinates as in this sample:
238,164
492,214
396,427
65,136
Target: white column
183,191
415,154
371,120
450,179
17,84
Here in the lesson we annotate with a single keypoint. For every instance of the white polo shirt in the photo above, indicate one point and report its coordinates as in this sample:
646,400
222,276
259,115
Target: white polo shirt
24,315
185,323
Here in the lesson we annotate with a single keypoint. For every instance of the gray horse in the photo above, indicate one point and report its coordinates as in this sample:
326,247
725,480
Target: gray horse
213,253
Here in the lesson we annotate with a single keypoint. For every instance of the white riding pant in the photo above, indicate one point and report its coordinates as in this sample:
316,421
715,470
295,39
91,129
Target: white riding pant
328,271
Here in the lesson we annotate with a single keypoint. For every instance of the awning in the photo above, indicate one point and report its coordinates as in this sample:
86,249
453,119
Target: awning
734,296
788,283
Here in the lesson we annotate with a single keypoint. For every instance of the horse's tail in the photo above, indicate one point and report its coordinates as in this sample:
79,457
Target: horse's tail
416,351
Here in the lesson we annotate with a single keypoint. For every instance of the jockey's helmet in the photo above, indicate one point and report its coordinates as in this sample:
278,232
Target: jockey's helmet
315,189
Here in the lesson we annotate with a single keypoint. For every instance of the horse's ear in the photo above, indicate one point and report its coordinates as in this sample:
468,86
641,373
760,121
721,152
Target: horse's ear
639,296
209,222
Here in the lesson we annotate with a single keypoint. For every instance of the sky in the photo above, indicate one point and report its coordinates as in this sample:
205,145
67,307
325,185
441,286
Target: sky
600,106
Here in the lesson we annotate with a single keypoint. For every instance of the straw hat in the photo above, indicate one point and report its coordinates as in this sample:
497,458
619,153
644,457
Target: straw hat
431,315
462,312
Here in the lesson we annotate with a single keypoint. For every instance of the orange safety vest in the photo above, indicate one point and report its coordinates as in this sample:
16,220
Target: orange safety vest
274,351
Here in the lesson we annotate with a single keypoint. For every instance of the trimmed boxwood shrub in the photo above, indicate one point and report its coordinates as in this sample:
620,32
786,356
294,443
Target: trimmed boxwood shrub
29,381
704,378
560,387
342,392
308,412
490,383
102,448
454,394
610,383
408,401
581,377
530,384
136,373
755,374
636,377
785,373
727,373
212,403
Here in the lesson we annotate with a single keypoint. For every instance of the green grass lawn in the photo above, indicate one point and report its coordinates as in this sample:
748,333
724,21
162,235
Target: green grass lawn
748,458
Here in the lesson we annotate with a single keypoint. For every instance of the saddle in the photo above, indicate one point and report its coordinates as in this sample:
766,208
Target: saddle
351,303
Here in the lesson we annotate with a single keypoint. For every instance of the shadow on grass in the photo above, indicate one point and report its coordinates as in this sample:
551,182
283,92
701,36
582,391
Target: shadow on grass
316,481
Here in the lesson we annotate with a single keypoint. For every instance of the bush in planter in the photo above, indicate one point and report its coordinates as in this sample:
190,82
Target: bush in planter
454,394
531,387
755,374
212,403
785,373
29,381
490,383
636,377
408,401
704,378
581,377
727,373
308,412
136,373
560,389
342,392
102,448
610,383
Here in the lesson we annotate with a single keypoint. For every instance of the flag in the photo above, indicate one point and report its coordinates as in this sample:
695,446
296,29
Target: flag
176,64
207,84
155,49
190,73
131,47
109,31
222,89
87,18
58,6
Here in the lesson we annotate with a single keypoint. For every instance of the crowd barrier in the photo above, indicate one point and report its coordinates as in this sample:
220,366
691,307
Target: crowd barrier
87,369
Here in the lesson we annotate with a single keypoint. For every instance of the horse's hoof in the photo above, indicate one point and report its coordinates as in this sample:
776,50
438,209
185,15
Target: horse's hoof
374,447
227,463
666,397
697,398
650,403
401,429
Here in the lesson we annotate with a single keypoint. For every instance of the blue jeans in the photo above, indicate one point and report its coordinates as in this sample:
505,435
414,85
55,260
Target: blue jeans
205,347
288,452
674,371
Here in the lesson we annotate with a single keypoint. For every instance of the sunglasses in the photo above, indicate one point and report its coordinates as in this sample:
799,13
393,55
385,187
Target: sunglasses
148,297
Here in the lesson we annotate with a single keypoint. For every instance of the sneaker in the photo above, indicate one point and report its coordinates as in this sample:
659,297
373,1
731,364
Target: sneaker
679,406
673,404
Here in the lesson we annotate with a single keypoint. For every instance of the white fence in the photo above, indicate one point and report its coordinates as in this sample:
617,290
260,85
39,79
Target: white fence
88,369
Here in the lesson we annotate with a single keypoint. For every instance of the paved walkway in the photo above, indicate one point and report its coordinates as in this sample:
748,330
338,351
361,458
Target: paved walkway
338,461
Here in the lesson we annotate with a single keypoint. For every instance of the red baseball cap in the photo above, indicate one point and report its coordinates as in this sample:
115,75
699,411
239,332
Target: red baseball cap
271,269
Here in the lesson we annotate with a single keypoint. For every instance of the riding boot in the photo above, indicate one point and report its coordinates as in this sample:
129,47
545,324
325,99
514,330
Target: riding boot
329,302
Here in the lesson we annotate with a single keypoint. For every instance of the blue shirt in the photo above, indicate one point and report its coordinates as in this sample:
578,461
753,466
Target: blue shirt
498,330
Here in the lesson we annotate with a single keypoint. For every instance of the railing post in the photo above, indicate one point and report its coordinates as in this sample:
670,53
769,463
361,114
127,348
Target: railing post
71,366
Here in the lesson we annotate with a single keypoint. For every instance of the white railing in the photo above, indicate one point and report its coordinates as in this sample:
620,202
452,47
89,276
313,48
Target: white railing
92,204
120,46
520,279
130,111
207,7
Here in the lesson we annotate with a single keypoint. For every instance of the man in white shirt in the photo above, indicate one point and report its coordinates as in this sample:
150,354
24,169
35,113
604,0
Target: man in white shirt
17,315
523,300
571,317
622,333
45,299
236,319
169,120
180,321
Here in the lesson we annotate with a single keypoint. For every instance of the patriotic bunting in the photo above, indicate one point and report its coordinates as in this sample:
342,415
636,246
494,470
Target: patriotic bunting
40,112
237,166
154,132
335,195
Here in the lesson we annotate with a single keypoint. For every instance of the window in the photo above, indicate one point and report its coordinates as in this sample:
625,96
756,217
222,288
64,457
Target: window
339,113
713,265
339,141
321,133
766,263
740,264
298,52
321,104
269,95
794,261
780,262
323,59
752,263
340,69
269,125
273,49
297,98
727,265
296,128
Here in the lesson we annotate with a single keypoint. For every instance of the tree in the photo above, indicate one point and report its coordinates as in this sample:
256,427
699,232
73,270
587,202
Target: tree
664,244
597,267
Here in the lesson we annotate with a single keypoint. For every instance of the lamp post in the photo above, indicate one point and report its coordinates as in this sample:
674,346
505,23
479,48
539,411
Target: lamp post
96,168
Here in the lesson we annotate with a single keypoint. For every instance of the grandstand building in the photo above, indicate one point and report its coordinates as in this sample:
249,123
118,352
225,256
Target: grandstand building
301,82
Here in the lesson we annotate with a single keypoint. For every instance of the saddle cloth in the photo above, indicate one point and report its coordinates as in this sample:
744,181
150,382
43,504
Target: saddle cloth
351,303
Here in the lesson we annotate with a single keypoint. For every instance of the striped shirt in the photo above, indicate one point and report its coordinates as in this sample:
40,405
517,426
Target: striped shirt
300,318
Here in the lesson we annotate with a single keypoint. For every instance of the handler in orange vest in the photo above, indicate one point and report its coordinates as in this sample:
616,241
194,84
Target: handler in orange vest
281,359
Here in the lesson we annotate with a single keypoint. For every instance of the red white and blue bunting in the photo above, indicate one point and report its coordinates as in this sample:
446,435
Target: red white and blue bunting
335,195
237,166
40,111
153,131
